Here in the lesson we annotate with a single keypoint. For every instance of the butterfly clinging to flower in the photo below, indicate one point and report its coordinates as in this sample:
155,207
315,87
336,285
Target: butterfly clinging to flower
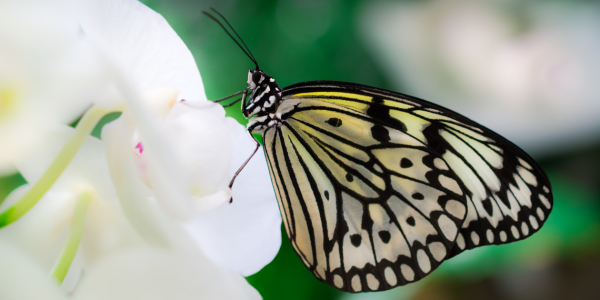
376,188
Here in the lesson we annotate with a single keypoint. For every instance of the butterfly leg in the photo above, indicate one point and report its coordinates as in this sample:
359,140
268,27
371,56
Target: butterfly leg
243,98
244,164
232,103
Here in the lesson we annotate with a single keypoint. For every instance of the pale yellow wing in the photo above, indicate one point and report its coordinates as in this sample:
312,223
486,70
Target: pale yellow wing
362,215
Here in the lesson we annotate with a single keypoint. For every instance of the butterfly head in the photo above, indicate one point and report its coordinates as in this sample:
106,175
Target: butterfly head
254,78
265,94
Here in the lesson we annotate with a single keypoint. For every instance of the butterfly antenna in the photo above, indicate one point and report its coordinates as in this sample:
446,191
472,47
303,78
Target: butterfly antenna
246,50
232,29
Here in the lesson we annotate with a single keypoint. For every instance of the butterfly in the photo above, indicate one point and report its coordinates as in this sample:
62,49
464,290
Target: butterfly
377,189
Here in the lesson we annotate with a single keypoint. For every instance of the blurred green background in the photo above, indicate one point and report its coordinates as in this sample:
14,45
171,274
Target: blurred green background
416,47
302,40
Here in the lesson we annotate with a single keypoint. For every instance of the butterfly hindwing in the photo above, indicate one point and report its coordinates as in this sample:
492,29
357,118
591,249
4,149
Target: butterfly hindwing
366,206
508,195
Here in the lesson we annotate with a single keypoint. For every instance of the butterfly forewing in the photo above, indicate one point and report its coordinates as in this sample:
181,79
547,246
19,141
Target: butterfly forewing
365,205
508,195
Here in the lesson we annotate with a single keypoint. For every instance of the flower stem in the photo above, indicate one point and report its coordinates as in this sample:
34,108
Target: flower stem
62,265
83,129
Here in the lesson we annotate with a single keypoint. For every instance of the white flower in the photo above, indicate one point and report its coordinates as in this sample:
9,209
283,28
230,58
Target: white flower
40,56
528,76
19,274
195,159
142,191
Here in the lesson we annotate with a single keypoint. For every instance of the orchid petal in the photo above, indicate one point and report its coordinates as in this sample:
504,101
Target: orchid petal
208,203
154,274
245,235
21,278
141,39
36,90
42,232
133,193
137,202
89,166
144,53
199,133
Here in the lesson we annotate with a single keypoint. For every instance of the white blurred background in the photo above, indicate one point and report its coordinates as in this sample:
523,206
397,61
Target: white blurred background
530,70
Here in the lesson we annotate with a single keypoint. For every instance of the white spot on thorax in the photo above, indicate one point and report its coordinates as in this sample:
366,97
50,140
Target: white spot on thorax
255,111
266,91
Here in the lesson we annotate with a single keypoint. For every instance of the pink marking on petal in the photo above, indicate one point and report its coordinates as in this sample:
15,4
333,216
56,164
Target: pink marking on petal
140,148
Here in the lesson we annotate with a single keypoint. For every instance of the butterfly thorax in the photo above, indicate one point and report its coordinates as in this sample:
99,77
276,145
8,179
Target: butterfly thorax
263,101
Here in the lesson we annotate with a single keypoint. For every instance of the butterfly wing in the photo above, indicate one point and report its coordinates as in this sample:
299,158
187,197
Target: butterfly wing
366,206
508,195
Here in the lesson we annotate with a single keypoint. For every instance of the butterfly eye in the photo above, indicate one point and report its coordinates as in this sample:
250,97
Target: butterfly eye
256,77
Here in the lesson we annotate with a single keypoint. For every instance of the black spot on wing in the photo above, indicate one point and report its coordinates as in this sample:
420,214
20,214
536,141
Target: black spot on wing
380,133
355,239
382,113
487,205
335,122
385,236
418,196
349,177
405,163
